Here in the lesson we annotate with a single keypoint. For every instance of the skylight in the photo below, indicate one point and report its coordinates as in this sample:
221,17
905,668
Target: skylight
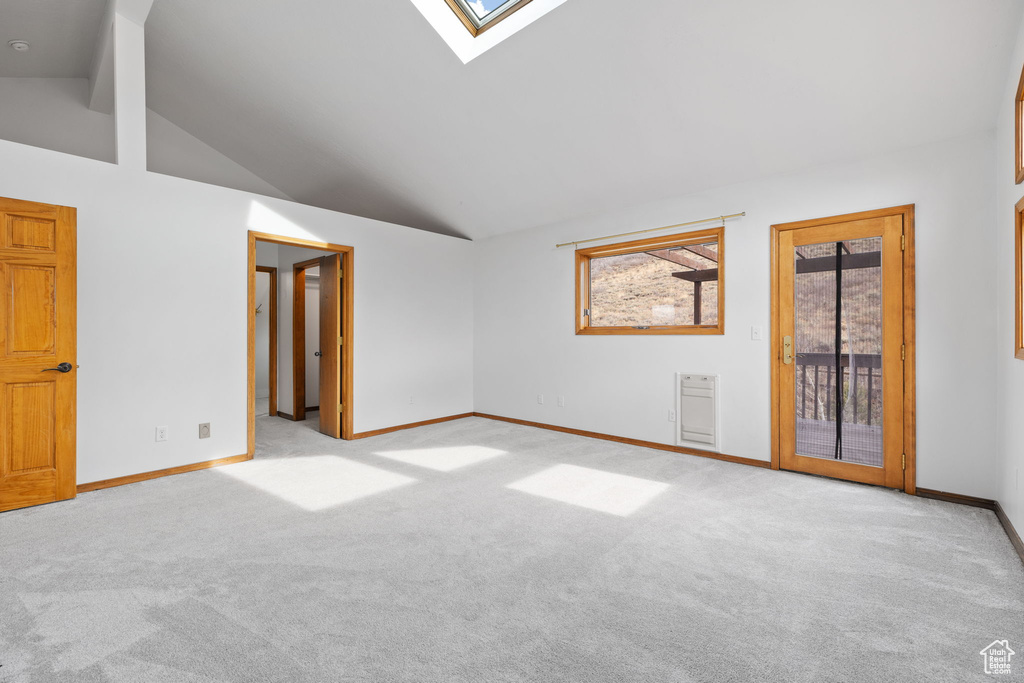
479,15
472,27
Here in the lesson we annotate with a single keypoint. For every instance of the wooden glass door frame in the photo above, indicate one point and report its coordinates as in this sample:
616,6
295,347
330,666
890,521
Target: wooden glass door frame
348,310
909,364
272,272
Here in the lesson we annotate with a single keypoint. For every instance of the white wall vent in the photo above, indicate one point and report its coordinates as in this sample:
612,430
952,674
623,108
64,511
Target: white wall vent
697,411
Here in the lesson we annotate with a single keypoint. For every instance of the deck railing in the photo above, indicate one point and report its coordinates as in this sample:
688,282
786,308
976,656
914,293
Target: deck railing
817,382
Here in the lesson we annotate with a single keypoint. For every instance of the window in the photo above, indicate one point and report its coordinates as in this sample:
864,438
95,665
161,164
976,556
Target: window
1018,296
1018,107
480,15
664,285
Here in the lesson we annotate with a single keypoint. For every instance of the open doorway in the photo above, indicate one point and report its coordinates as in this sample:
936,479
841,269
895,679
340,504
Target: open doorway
314,294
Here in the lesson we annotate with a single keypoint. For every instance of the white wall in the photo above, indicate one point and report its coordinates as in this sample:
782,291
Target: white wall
262,335
1010,371
173,151
623,385
170,348
312,341
53,113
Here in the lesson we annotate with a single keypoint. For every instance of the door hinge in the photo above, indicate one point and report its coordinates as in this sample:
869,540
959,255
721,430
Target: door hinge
586,312
904,461
903,242
341,407
903,352
341,340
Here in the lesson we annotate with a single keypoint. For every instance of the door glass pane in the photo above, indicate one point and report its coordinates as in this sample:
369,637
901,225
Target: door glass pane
839,367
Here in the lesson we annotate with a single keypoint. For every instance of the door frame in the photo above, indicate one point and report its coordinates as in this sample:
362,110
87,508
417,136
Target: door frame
299,269
909,332
348,323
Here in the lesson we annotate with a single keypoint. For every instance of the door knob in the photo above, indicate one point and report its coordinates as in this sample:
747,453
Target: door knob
63,367
317,354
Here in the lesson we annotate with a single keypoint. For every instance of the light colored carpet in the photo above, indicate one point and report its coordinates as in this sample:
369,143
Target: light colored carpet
482,551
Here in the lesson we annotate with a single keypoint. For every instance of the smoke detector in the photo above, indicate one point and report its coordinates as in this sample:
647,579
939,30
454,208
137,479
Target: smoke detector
19,45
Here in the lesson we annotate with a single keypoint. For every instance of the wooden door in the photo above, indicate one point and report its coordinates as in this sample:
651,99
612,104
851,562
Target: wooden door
330,345
839,330
37,336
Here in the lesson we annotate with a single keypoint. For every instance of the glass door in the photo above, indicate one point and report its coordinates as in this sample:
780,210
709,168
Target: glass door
840,299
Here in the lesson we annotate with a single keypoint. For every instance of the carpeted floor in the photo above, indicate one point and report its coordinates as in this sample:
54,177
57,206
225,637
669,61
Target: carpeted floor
481,551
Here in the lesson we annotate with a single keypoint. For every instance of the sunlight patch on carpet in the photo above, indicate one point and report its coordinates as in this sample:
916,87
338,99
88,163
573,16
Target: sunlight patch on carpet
316,482
616,494
445,458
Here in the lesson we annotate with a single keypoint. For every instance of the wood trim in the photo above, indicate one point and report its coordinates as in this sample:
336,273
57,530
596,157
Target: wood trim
273,335
472,28
631,442
348,323
310,409
411,425
582,285
308,263
250,270
1018,121
957,498
1014,537
287,416
1018,279
909,330
910,353
146,476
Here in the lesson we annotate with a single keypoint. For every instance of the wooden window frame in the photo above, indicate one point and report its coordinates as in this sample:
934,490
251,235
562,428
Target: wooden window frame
471,26
1018,278
1018,118
582,276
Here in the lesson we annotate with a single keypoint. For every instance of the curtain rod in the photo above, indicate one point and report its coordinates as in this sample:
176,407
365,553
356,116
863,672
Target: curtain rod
667,227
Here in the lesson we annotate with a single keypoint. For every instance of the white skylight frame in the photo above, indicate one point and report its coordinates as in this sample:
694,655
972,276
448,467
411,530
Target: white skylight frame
464,44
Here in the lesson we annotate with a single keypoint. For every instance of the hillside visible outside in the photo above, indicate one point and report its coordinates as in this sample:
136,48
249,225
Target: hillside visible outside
638,290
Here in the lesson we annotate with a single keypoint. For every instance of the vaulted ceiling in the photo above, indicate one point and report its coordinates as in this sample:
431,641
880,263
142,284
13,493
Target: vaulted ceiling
359,106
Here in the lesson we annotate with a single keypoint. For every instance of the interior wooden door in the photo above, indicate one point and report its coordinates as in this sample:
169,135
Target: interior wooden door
37,353
330,345
840,334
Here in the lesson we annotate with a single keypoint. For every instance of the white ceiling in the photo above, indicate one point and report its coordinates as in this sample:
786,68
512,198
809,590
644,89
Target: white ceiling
62,34
359,106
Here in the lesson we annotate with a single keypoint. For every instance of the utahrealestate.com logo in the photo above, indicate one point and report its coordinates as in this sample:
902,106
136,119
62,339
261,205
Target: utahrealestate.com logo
997,657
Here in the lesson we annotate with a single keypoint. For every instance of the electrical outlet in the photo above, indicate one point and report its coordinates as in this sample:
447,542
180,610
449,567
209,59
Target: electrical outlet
561,401
540,399
757,333
412,399
161,433
204,430
671,416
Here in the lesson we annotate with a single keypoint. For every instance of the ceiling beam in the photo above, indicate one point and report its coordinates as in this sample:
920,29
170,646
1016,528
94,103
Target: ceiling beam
101,75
